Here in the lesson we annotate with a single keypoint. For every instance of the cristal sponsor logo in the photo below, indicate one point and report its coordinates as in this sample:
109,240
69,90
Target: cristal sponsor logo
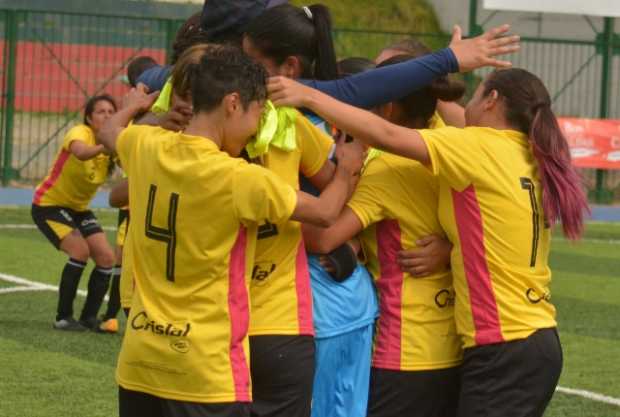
261,271
445,298
180,345
534,297
142,322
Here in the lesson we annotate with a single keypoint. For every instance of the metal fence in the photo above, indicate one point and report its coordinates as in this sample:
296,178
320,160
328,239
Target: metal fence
51,62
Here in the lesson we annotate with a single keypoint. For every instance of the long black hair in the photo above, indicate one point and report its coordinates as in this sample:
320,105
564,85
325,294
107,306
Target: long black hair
419,106
306,33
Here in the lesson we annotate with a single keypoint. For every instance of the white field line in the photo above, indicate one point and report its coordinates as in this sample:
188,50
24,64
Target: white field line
38,286
32,226
594,396
114,228
27,285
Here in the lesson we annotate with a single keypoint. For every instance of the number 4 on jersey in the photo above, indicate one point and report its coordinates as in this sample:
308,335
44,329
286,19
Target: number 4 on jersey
169,235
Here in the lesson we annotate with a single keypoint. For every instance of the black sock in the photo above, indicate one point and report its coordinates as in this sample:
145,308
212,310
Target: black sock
69,281
114,303
97,288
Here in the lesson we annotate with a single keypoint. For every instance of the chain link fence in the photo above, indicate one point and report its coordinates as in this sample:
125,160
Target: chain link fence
51,62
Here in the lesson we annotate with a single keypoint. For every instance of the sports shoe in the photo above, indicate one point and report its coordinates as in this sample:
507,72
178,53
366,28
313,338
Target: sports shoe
69,324
91,323
108,326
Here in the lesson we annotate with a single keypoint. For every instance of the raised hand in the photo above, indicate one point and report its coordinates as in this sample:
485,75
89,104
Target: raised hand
481,51
350,155
139,98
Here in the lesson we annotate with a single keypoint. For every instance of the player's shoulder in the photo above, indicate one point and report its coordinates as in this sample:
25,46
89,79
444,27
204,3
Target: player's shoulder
81,132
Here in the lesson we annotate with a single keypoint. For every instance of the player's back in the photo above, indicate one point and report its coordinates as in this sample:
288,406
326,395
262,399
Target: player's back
189,314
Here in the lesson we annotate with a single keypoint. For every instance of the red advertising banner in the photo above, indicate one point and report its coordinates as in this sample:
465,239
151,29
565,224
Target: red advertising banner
594,143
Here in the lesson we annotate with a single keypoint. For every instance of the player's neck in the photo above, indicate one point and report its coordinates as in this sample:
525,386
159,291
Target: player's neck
207,125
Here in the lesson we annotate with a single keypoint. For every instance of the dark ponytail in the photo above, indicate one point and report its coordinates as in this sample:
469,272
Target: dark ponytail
420,106
286,30
325,66
528,109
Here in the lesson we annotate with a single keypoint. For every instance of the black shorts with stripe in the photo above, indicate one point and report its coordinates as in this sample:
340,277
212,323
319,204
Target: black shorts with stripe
57,222
139,404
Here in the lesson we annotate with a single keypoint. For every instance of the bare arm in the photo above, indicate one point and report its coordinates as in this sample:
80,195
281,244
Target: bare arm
322,178
453,114
324,210
119,195
84,152
326,239
361,124
136,101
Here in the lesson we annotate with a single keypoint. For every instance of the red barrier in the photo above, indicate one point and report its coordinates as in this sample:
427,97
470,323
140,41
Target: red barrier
50,77
594,143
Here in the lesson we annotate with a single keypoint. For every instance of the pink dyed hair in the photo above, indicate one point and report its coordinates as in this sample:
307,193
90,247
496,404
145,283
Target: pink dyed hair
528,109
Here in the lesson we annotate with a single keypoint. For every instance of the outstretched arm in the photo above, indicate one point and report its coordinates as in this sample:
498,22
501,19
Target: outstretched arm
360,124
325,239
383,85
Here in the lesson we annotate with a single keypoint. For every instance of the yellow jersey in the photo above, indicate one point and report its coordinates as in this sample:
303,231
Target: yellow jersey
126,284
73,183
490,205
195,212
280,290
396,202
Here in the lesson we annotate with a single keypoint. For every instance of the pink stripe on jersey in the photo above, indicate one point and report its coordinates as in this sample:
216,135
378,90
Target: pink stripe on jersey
53,177
387,353
481,297
304,293
239,317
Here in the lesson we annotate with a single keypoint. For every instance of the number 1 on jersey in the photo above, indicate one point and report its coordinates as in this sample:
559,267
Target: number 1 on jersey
169,236
527,184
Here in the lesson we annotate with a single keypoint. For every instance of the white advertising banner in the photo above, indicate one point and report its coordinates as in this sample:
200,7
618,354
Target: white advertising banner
609,8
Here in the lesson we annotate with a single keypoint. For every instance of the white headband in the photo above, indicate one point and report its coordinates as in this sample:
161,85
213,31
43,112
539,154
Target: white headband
308,12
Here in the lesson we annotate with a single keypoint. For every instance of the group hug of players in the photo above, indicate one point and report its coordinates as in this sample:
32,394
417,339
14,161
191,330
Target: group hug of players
267,271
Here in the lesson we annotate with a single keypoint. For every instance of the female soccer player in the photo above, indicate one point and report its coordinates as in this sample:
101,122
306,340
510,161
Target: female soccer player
415,368
296,42
504,181
60,211
195,209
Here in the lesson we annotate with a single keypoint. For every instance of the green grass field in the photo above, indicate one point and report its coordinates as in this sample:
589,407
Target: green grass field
46,373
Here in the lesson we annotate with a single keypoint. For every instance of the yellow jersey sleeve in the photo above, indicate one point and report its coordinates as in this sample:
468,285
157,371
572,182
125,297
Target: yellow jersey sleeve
259,195
126,142
80,133
314,145
453,154
373,193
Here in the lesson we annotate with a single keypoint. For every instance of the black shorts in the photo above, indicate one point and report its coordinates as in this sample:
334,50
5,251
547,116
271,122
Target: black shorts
282,375
433,393
139,404
57,222
514,379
